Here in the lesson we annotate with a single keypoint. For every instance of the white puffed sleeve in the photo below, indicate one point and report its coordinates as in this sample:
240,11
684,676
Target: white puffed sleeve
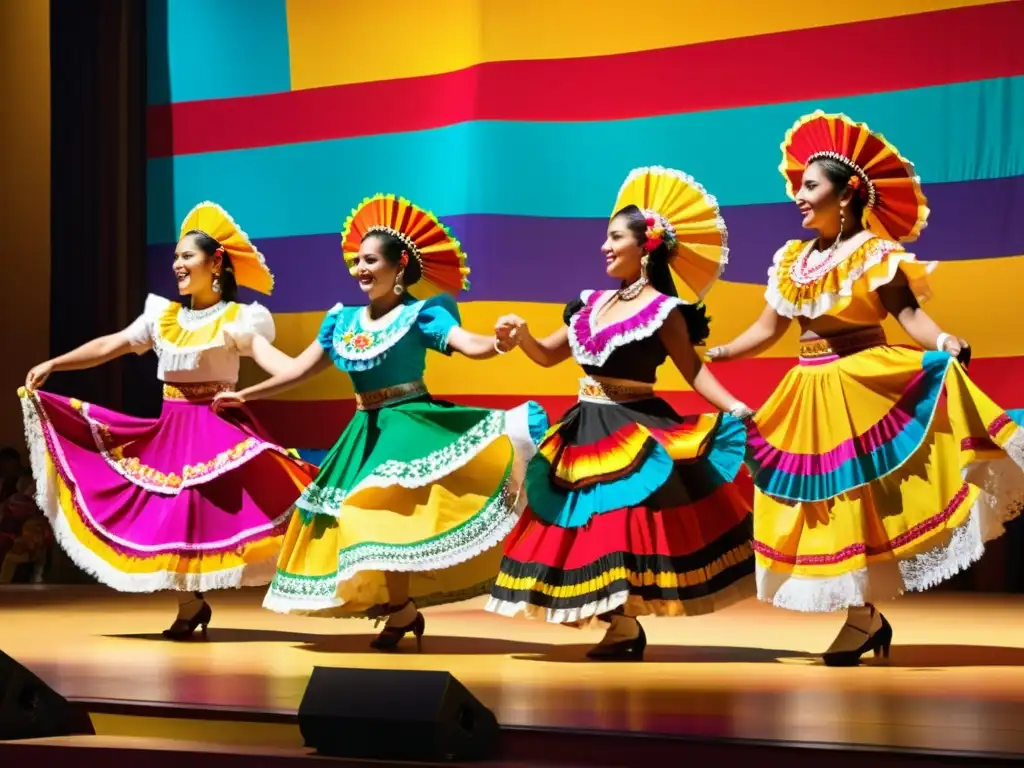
253,320
140,333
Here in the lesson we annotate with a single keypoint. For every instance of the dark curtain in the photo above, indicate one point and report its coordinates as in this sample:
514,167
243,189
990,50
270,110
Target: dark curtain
98,101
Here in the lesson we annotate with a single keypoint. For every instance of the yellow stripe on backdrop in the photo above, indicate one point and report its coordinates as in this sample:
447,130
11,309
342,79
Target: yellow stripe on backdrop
978,300
337,43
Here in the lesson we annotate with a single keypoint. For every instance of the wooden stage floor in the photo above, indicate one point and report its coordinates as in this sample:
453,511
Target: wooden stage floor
955,680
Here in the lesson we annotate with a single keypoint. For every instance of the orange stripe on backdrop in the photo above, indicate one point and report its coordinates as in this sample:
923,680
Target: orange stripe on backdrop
316,424
975,299
941,48
340,43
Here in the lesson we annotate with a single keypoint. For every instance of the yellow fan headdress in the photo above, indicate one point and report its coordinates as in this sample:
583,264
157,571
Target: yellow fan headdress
683,215
894,204
439,254
247,262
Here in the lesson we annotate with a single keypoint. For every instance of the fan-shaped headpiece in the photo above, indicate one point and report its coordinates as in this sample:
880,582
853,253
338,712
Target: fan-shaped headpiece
439,254
895,206
683,215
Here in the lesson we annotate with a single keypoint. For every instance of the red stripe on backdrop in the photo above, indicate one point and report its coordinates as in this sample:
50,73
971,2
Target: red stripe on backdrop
316,424
934,48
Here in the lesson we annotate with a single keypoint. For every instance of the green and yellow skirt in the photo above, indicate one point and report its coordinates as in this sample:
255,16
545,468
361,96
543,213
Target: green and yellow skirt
419,486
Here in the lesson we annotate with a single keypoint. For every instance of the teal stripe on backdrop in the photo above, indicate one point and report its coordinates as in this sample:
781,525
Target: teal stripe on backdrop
216,49
574,169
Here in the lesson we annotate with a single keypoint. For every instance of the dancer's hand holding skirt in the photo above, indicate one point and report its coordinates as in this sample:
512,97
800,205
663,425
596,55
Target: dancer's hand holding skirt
188,501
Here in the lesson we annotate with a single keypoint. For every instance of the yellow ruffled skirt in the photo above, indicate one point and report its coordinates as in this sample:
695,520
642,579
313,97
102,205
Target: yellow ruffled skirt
877,472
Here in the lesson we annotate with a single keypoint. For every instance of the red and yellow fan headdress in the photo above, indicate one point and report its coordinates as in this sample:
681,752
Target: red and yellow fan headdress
439,254
683,215
247,262
895,206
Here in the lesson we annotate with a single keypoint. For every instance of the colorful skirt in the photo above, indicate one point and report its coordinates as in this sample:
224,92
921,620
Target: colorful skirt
634,507
878,470
187,501
414,485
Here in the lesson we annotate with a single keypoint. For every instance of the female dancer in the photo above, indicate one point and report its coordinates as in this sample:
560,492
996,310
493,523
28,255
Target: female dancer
187,501
858,455
412,500
632,507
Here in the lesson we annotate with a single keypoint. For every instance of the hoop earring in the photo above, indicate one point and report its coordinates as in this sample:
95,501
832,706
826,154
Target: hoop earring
216,284
399,289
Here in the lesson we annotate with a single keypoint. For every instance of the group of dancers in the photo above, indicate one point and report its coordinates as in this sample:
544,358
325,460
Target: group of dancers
873,469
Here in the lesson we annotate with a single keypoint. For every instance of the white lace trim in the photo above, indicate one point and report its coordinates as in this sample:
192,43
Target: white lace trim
583,616
513,424
512,499
174,358
587,615
884,580
879,250
1002,487
584,357
385,337
510,502
47,496
194,319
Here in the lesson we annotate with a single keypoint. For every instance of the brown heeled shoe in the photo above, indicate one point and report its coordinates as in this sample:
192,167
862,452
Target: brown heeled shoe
184,629
624,650
390,637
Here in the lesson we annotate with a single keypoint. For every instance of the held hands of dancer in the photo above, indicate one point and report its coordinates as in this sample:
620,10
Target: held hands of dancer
509,332
511,326
475,346
544,352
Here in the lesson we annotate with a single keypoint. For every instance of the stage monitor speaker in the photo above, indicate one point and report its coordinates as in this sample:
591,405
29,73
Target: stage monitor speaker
395,715
30,709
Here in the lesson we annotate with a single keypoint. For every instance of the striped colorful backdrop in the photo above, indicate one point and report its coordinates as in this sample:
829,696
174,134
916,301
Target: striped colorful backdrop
516,122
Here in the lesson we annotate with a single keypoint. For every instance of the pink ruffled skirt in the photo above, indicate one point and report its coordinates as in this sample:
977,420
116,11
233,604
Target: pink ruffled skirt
187,501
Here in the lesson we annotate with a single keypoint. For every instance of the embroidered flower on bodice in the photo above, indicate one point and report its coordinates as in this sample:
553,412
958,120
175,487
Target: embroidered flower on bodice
364,342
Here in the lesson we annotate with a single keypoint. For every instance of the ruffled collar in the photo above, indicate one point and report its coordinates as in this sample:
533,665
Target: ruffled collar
798,290
190,319
179,328
361,343
593,345
181,335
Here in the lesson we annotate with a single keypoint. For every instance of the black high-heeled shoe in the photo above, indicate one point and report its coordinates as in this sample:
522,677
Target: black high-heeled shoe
390,637
624,650
878,643
184,629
